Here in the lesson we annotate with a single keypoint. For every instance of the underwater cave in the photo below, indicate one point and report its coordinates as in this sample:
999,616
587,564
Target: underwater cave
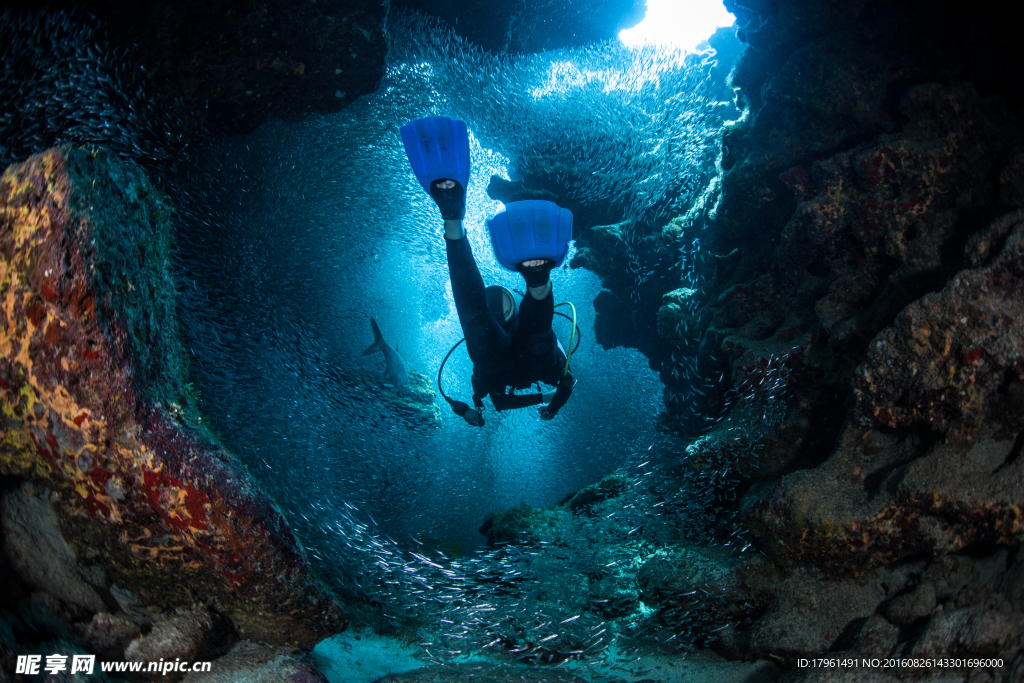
796,275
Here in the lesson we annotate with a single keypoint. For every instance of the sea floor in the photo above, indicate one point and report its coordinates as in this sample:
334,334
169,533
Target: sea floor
365,657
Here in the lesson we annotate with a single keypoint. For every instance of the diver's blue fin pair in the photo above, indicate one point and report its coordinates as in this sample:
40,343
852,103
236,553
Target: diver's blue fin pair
532,229
438,149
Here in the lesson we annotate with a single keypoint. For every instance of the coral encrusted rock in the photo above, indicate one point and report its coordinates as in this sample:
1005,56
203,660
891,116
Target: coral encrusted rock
949,375
96,408
108,635
951,354
524,523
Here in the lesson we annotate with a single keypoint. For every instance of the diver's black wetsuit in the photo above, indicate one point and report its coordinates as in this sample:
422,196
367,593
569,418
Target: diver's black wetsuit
514,358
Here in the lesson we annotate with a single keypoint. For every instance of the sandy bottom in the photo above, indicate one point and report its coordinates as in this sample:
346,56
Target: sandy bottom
365,657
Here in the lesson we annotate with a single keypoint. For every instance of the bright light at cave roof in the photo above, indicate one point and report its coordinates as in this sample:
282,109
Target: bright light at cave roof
681,23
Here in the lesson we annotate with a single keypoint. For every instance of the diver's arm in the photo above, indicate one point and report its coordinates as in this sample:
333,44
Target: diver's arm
562,394
503,401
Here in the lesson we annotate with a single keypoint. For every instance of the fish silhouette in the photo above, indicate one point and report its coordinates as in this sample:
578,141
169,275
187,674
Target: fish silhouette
395,365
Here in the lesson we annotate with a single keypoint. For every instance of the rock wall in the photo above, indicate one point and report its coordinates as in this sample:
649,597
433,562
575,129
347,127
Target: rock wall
869,233
117,499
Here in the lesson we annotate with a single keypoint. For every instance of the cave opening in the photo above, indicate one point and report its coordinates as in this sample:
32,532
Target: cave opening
798,427
292,237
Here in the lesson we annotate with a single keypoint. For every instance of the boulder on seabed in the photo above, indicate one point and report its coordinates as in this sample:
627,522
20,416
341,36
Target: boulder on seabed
108,635
181,635
253,662
524,523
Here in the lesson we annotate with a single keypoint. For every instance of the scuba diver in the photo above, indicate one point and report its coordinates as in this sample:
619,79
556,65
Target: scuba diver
509,336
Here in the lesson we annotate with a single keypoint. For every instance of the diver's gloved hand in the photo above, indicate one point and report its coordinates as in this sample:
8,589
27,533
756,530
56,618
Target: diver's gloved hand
470,415
545,410
450,197
473,417
536,275
562,393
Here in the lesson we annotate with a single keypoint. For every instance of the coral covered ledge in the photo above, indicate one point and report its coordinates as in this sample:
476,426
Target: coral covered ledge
99,421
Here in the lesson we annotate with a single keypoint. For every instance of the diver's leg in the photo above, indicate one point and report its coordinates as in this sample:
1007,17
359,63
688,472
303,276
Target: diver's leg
487,341
453,230
450,198
537,273
536,313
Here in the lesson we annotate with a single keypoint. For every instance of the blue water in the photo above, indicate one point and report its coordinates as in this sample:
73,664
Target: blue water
291,238
355,237
321,224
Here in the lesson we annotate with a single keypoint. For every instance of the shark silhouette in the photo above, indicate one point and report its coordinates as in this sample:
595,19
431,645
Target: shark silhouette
393,362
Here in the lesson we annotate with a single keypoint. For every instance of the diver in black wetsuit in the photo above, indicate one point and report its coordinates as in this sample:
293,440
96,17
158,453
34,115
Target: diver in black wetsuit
516,354
509,352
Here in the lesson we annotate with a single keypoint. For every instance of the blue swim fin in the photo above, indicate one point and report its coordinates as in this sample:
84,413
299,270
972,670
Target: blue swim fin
529,230
437,147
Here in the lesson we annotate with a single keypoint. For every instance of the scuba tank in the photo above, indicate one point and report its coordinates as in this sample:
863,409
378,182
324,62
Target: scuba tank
503,304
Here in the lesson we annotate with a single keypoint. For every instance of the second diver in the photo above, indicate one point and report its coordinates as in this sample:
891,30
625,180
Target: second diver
509,338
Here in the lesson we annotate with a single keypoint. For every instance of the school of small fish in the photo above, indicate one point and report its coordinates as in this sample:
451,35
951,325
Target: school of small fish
626,128
62,83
